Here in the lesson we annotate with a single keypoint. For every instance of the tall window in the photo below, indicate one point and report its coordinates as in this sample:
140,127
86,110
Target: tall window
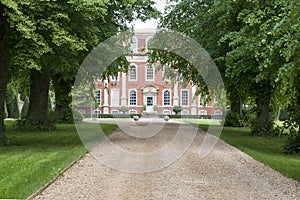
98,96
132,97
184,97
167,98
133,45
114,97
150,73
132,73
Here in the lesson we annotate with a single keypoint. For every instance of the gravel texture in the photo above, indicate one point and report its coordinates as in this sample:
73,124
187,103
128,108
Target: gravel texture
226,173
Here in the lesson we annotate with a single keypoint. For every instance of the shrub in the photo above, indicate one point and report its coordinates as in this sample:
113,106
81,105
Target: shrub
77,115
233,120
177,109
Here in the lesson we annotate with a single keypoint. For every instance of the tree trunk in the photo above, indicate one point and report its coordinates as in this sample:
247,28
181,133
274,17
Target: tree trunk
263,124
236,104
63,98
4,63
37,116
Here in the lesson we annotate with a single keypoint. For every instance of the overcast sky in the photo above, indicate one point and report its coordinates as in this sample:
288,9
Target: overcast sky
160,5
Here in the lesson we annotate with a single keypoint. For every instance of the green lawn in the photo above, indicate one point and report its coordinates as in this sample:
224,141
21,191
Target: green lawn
267,150
35,158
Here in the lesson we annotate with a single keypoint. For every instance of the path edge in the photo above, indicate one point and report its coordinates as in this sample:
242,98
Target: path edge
44,187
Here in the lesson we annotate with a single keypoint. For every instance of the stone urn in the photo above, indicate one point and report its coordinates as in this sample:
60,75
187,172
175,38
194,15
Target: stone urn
166,118
136,118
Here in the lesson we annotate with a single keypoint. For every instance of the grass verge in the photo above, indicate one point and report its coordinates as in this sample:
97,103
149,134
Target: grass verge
35,158
267,150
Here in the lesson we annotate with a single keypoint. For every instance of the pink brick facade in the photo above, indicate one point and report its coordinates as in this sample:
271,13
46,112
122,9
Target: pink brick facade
144,89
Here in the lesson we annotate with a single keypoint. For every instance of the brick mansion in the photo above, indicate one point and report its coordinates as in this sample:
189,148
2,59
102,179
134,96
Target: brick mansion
144,89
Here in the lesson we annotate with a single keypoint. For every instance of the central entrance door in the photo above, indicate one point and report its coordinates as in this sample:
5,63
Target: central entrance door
149,104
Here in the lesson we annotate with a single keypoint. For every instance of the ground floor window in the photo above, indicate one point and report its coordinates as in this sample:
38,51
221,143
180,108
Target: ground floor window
167,112
218,112
132,112
202,112
132,97
185,112
115,112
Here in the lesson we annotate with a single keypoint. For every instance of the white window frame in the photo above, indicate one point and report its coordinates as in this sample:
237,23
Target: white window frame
221,113
136,72
205,111
134,50
169,112
185,111
163,97
181,97
112,112
132,110
146,74
136,97
97,112
98,100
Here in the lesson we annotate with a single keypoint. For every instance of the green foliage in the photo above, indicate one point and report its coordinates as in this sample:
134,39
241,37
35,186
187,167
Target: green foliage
77,116
233,120
283,114
25,108
123,109
12,102
177,109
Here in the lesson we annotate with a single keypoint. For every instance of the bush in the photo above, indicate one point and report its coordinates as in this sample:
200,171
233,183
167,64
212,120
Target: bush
233,120
177,109
283,115
292,144
77,116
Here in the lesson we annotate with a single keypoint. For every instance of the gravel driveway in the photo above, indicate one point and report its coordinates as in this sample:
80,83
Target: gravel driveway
226,173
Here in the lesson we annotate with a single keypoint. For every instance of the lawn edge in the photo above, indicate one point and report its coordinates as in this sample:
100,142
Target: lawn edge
44,187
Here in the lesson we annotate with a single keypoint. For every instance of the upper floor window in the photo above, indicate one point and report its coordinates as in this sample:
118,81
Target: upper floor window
133,73
148,40
150,73
98,96
133,45
132,97
184,97
167,98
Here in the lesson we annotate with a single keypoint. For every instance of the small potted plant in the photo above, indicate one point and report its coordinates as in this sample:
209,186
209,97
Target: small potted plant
136,118
166,118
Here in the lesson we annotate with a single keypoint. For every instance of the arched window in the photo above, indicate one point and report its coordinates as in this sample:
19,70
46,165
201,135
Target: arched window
218,112
185,112
167,98
202,112
167,112
150,73
132,112
132,97
133,73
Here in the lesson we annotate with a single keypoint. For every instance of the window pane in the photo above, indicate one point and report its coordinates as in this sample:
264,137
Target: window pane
167,98
150,73
98,96
132,99
132,73
185,97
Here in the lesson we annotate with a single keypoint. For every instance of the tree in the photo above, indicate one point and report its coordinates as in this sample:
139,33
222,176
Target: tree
177,109
4,64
